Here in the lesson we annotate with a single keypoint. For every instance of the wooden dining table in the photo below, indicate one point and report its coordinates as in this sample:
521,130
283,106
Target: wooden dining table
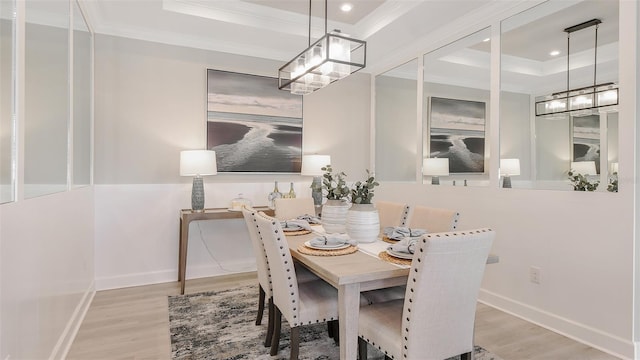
350,274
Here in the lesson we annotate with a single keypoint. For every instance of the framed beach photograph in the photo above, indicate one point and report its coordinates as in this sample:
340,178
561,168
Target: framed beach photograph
456,132
586,139
252,125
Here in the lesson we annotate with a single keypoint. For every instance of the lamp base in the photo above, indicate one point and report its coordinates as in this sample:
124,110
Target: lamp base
197,194
435,180
316,191
506,182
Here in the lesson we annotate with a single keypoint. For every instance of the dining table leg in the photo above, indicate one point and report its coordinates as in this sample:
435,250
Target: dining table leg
348,311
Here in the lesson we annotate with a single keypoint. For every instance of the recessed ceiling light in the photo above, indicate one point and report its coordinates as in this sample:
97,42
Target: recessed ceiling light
346,7
487,39
554,53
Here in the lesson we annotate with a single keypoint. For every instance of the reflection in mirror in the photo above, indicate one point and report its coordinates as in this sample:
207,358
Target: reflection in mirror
6,102
396,111
542,58
46,97
456,108
612,151
81,99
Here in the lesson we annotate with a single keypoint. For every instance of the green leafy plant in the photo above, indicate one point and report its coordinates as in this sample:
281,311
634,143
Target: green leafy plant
334,184
613,183
581,182
362,191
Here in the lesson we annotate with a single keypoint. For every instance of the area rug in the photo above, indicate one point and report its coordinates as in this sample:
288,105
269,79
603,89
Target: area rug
221,325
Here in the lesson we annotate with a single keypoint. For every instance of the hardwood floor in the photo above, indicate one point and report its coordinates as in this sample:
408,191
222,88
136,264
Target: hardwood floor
132,323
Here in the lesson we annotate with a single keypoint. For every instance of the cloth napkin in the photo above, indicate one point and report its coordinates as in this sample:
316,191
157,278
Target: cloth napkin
406,245
293,225
332,240
309,218
401,232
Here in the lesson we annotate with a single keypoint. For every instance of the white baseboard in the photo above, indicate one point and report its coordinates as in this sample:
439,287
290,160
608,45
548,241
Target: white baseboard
61,349
157,277
587,335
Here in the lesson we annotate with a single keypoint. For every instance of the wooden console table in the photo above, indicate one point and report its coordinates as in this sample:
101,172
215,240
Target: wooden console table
186,217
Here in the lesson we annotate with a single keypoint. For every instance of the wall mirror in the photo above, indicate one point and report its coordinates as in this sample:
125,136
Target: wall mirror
395,123
456,111
46,97
6,101
82,90
558,99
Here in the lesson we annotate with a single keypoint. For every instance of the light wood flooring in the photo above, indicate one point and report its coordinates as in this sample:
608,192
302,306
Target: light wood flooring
132,323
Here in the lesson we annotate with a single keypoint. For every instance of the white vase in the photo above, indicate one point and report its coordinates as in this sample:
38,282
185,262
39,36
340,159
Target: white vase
363,223
334,216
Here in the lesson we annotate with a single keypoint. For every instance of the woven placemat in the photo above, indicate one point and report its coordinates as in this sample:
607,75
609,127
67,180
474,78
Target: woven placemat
390,241
296,232
392,259
309,251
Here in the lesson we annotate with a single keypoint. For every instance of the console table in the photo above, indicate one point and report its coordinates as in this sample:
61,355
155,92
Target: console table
186,217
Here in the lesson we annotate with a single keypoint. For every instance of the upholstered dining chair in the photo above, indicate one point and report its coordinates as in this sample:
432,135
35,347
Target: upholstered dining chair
286,209
264,275
301,303
392,213
436,318
432,219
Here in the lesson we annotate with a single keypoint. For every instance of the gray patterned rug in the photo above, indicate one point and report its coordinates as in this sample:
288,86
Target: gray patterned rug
221,325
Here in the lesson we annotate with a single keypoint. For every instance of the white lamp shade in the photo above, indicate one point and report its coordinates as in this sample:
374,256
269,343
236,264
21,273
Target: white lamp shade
312,164
510,167
614,167
435,166
584,167
198,162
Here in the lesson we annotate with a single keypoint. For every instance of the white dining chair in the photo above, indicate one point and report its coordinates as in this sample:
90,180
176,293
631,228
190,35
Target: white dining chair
300,303
392,213
264,274
436,318
432,219
286,209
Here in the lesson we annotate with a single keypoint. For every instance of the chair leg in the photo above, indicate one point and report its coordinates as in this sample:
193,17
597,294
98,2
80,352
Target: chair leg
267,340
277,323
295,343
362,349
260,306
466,356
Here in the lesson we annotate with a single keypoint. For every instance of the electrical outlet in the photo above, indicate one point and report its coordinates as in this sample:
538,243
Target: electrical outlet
534,274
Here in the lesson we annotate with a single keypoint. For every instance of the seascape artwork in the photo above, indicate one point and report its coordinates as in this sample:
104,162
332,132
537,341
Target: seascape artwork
586,139
252,125
457,133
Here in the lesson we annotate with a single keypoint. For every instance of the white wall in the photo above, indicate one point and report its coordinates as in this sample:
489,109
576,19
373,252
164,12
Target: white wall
46,272
150,104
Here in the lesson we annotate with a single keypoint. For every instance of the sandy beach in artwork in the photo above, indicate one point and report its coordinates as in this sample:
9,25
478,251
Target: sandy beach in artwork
465,152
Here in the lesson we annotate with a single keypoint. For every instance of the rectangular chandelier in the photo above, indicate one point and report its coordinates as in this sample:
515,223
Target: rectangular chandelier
579,101
331,58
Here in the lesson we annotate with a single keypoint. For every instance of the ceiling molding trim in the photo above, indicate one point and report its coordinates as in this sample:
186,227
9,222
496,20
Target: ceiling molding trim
253,15
382,16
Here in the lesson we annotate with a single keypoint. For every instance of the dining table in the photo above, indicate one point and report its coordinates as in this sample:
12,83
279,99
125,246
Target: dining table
352,273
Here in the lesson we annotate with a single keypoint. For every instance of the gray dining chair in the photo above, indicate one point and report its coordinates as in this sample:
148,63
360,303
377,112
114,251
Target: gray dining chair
264,274
432,219
301,303
436,318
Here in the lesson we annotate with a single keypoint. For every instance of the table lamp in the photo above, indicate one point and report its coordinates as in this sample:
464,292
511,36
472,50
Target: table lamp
584,167
435,167
312,166
197,163
509,168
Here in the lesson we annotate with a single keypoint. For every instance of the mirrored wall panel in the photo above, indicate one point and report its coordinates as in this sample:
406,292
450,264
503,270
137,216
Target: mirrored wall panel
396,113
82,90
46,97
7,154
559,96
456,112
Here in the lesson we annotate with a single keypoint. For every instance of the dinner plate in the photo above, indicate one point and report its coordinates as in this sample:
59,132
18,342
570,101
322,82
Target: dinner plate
400,255
326,247
293,228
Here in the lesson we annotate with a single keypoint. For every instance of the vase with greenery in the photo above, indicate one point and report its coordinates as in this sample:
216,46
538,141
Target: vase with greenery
334,211
613,183
363,220
581,182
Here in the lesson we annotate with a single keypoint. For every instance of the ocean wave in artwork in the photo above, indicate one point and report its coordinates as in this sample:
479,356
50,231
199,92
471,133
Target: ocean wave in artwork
465,153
